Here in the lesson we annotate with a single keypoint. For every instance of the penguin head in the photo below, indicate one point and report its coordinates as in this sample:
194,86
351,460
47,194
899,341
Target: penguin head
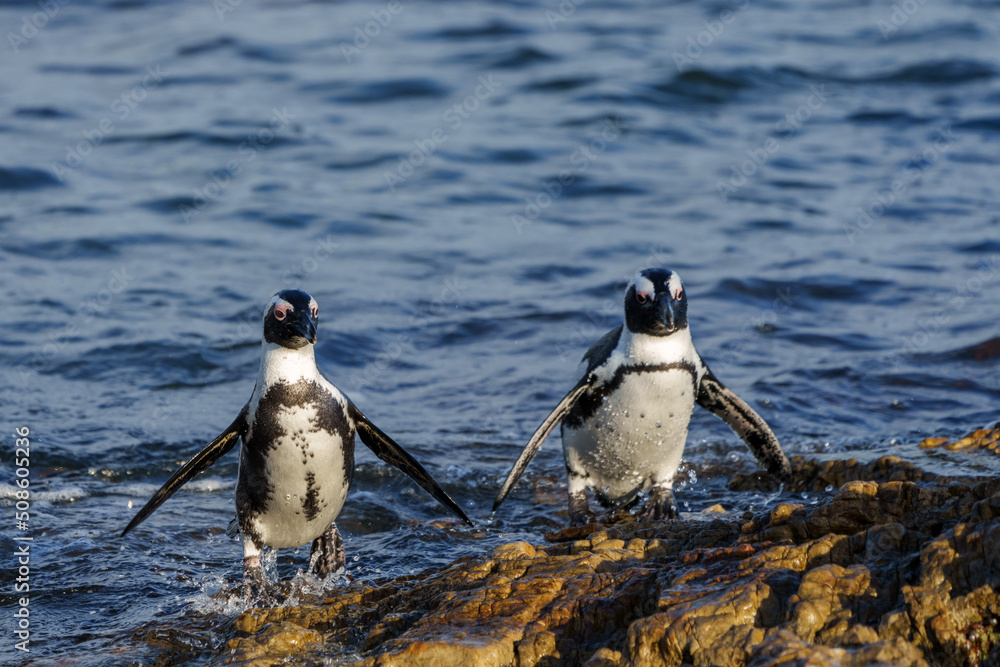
290,319
655,303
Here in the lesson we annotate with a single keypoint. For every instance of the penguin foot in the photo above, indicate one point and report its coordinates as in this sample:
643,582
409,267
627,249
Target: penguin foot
660,507
254,583
580,513
327,553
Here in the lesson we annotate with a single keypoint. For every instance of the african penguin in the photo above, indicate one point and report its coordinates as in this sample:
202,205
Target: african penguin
297,458
624,424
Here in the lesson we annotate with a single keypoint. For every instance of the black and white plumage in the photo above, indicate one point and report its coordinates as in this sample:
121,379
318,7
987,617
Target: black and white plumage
625,423
297,458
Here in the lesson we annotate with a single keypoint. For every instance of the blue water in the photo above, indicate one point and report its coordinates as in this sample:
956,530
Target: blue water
465,190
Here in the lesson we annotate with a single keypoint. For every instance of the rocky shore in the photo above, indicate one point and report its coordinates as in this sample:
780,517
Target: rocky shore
898,567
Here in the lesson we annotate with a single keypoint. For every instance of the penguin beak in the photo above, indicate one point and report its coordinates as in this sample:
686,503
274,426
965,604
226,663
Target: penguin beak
305,326
665,313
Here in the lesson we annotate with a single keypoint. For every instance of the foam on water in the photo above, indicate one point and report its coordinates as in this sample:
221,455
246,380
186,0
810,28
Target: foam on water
51,496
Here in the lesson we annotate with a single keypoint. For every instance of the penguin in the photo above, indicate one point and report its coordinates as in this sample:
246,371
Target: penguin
624,424
297,455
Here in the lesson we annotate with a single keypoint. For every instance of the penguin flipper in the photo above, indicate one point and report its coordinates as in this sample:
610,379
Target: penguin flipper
542,432
386,449
751,427
199,462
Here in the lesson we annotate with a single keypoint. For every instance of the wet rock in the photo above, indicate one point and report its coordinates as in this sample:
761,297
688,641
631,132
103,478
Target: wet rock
902,568
824,476
984,439
785,649
277,638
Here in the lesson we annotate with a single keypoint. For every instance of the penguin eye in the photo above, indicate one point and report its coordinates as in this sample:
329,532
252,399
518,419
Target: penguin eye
315,311
280,312
679,295
642,298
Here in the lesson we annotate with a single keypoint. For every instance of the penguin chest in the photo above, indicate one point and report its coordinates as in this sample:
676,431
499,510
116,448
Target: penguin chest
294,476
635,433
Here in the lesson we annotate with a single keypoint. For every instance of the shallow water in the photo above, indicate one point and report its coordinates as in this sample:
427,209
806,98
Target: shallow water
465,194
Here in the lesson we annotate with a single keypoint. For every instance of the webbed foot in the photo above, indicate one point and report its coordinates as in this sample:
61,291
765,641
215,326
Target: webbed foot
255,583
580,513
327,553
660,506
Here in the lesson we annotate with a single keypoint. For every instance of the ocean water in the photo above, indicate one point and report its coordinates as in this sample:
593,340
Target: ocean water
465,187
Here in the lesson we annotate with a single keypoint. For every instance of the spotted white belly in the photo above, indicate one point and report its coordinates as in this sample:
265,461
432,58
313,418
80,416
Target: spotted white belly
636,437
306,481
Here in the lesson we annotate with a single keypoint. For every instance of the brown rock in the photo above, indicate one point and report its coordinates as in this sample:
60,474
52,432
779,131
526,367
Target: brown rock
982,439
785,649
277,638
899,569
604,657
824,476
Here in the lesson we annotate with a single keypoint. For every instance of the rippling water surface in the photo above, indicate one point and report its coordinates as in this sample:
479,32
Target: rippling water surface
465,188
